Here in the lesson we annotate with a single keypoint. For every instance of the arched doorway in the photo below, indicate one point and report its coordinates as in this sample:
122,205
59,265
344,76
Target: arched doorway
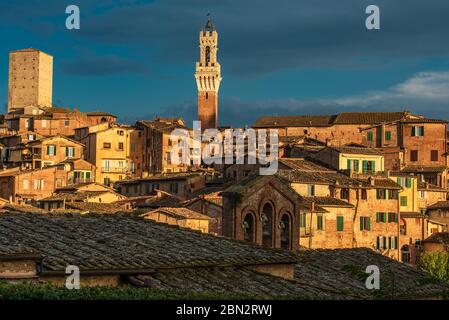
285,227
248,228
267,225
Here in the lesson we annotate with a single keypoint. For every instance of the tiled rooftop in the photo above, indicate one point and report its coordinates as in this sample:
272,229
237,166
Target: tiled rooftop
123,242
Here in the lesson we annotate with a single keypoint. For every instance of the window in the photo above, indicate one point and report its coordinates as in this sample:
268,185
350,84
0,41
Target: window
51,150
381,194
25,184
248,228
414,155
364,194
106,181
319,222
267,225
66,123
417,131
381,217
340,223
408,182
392,217
311,190
39,184
344,194
422,194
433,155
303,220
353,165
106,145
370,136
120,132
70,152
387,135
403,200
365,223
174,187
120,145
285,231
44,123
393,194
369,166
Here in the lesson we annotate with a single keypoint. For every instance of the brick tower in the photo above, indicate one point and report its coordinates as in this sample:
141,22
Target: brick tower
208,77
30,79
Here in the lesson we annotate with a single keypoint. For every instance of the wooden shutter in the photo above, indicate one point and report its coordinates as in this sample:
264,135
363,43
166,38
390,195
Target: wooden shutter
340,225
408,182
365,166
362,224
356,165
413,131
368,224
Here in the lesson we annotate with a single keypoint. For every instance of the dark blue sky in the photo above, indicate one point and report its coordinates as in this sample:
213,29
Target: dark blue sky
136,58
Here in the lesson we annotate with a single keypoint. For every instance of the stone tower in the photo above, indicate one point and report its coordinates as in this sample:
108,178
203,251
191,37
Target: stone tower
30,79
208,77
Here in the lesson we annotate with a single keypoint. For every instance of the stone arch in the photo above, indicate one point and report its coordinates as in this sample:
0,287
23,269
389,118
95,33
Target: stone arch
249,227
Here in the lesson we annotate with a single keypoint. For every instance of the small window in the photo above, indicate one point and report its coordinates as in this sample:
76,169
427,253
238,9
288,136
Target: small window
392,217
365,223
417,131
403,200
106,145
364,194
344,194
120,145
380,194
311,190
381,217
414,155
388,135
319,222
370,136
434,155
340,223
66,123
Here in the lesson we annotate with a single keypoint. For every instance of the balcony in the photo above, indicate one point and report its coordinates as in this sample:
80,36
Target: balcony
79,180
114,169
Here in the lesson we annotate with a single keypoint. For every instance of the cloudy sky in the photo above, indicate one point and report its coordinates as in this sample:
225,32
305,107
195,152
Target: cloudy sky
136,58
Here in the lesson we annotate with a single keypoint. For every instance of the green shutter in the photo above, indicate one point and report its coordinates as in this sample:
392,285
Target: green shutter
320,222
408,182
396,217
365,166
421,131
389,242
413,131
349,165
373,166
384,242
48,150
368,224
396,244
362,224
378,242
54,150
66,151
377,216
356,165
388,135
384,217
88,175
340,225
370,136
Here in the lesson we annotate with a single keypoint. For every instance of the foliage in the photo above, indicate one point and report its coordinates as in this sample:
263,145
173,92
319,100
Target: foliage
36,291
435,264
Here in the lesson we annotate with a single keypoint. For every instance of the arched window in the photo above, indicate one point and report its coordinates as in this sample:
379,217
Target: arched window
285,227
103,120
267,225
248,228
207,55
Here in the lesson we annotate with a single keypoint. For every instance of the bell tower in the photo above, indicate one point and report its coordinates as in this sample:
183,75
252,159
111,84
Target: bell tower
208,77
